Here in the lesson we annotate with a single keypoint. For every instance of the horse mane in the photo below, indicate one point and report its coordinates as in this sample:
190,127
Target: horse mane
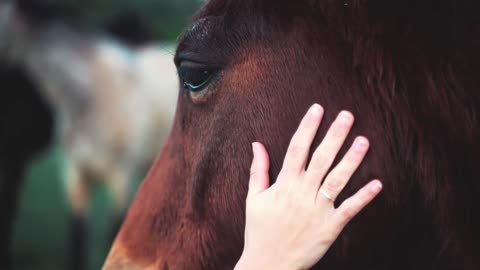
418,61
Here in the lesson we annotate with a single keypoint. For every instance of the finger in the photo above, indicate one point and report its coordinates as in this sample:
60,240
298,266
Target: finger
259,178
353,205
325,154
338,178
299,147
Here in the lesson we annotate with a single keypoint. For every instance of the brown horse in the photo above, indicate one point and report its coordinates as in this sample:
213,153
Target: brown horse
408,69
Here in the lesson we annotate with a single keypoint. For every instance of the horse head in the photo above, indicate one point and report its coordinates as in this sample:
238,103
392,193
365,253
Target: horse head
250,69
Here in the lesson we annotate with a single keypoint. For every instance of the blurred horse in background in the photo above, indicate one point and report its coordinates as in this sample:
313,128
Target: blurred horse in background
26,128
114,101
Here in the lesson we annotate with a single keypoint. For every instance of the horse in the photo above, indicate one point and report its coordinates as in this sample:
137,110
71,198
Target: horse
26,130
112,100
249,70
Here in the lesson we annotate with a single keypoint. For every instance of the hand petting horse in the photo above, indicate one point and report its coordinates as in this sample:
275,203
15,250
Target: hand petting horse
248,71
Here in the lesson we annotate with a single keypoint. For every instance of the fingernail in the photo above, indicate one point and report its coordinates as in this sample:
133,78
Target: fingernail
345,117
377,186
361,144
316,109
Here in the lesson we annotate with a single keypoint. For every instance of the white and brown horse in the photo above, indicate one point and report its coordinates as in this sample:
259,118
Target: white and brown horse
114,103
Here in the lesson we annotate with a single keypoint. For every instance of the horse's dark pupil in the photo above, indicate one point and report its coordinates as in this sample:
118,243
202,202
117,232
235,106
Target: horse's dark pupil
195,80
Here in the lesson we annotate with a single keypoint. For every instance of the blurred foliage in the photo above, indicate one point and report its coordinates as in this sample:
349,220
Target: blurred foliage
167,18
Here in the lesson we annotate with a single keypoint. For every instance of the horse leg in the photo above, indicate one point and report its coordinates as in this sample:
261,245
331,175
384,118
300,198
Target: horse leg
78,191
118,185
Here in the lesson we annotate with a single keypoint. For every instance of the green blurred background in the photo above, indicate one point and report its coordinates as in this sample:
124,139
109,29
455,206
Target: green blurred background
41,229
42,224
166,17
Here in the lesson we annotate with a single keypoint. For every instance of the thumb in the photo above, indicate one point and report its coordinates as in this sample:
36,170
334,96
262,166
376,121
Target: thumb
259,179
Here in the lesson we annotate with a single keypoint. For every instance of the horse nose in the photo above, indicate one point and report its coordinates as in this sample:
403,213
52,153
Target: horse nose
117,260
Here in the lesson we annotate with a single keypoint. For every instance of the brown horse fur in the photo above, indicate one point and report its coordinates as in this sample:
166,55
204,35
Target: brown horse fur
409,70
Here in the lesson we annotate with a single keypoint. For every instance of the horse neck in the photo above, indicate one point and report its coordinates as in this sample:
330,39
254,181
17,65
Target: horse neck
56,57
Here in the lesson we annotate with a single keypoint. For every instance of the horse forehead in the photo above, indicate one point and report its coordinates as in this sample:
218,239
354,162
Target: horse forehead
202,28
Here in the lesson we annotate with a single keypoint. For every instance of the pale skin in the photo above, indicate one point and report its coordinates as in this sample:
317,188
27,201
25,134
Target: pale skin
292,224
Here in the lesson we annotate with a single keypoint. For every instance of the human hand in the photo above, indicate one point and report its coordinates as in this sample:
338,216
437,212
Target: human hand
293,223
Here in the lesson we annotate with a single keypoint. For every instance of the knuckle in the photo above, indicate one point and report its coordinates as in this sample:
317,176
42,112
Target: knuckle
354,155
328,237
320,162
296,150
340,176
254,170
333,185
352,160
348,213
327,240
339,130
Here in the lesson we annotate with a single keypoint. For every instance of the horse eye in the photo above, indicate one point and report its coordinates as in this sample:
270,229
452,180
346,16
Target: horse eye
195,78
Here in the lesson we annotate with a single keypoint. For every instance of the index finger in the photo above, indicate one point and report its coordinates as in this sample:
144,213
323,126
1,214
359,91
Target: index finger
297,153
